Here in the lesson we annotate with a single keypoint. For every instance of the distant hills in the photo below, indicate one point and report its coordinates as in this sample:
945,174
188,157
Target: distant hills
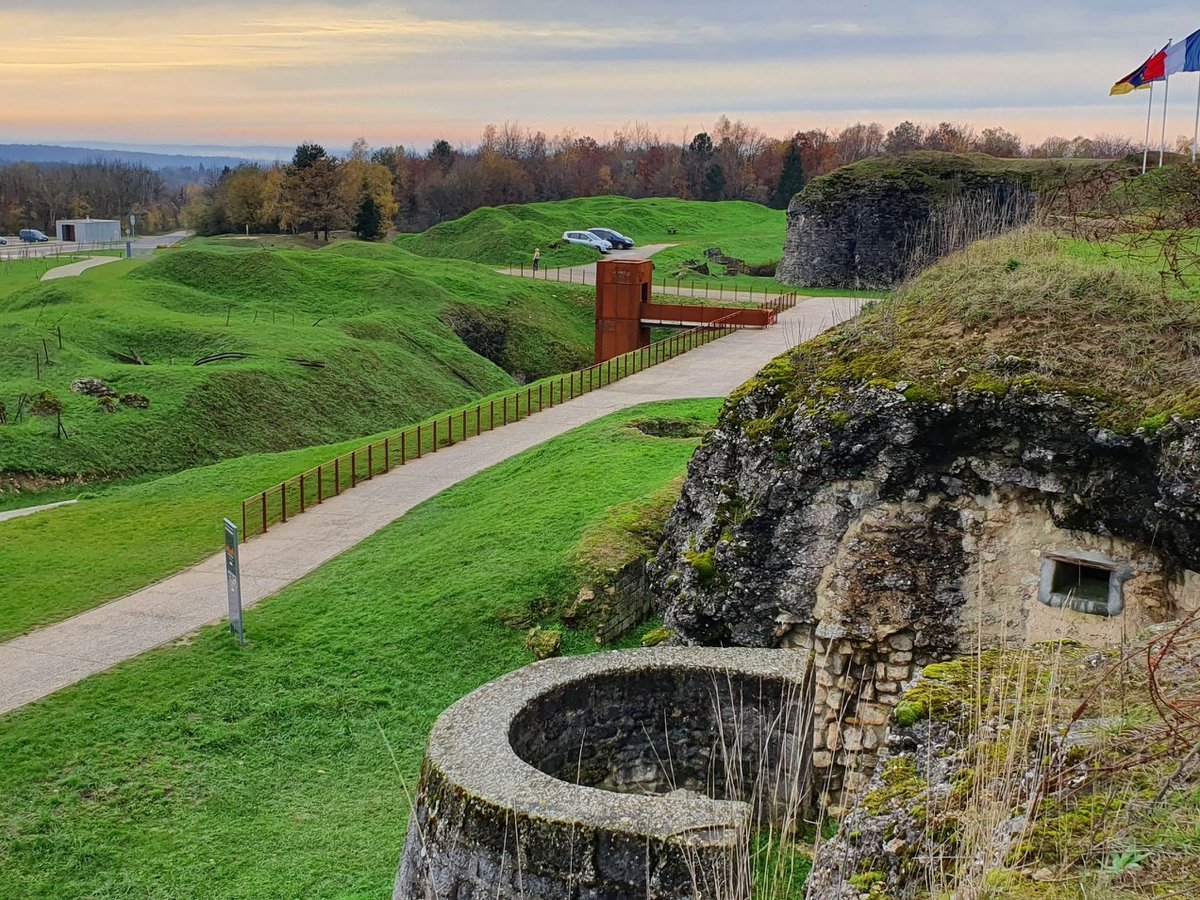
53,153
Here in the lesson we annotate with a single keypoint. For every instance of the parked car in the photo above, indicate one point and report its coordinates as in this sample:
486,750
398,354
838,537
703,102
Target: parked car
32,236
618,240
3,241
587,239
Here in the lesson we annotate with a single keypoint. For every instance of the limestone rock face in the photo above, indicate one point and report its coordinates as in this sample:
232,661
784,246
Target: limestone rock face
871,224
869,515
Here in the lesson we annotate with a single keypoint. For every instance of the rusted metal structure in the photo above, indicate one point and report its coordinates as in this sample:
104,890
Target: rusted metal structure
625,315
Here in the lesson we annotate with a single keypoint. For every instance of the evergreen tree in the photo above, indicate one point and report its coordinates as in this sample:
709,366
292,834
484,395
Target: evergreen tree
443,155
306,155
714,183
791,179
368,221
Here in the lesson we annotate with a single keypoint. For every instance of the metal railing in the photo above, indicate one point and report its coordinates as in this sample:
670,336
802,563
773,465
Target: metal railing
294,496
681,287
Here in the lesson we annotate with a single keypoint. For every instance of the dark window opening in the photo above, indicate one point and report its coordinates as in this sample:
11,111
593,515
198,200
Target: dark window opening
1085,584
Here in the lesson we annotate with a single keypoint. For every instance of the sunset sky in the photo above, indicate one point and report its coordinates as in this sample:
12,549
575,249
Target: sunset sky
259,72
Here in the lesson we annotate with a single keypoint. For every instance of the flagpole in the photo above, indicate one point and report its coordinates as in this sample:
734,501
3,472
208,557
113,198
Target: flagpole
1149,112
1162,146
1196,127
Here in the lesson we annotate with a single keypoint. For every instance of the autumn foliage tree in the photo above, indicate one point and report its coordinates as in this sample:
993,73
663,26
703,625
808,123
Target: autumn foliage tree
410,191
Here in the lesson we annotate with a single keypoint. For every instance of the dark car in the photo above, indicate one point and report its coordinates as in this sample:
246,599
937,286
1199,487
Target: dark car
32,236
618,240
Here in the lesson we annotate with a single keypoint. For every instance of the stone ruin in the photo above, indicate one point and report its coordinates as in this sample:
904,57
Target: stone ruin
631,774
893,534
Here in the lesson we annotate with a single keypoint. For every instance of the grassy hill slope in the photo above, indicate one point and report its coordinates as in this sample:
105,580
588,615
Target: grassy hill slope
382,321
506,235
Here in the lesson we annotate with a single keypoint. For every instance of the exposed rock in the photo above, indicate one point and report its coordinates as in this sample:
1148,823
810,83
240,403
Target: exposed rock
46,404
870,224
873,497
92,387
135,401
543,643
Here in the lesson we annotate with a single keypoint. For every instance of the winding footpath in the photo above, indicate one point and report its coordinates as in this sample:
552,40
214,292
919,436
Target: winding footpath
45,660
30,510
70,270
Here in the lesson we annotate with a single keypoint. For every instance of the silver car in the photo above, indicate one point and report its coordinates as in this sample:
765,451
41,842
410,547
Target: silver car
587,239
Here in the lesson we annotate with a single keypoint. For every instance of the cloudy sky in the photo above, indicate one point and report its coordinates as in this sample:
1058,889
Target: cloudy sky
262,72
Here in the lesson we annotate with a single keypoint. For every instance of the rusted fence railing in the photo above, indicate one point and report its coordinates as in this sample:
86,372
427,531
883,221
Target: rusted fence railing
699,288
292,497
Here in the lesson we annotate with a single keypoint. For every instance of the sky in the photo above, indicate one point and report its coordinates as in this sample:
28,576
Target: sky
261,72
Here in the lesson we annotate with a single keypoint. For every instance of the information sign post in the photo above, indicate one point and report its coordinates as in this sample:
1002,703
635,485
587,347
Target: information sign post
233,582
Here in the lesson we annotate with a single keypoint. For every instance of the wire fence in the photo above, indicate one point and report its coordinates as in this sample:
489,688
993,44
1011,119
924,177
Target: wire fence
296,495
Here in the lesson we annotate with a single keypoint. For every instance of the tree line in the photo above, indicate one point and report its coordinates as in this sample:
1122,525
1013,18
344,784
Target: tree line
374,190
35,195
371,191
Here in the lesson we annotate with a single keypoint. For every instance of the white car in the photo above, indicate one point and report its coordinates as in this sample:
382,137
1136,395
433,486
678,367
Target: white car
587,239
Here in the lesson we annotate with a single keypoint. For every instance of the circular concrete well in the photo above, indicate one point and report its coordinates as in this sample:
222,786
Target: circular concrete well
628,774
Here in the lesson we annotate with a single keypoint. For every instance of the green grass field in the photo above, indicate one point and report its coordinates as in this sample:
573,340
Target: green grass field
283,770
384,323
504,236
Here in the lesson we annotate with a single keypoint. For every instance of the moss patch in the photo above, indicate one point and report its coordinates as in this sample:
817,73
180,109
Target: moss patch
900,783
1066,319
704,562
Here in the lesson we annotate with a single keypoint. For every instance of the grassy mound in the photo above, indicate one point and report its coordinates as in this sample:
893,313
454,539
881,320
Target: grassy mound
506,235
283,769
380,322
1025,311
940,175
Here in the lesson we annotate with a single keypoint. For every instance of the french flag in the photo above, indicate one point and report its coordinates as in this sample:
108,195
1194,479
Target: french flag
1183,56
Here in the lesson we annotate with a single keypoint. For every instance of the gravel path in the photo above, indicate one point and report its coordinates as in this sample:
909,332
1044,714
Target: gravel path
50,658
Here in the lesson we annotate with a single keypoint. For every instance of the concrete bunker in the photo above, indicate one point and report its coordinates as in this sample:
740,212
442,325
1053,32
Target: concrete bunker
628,774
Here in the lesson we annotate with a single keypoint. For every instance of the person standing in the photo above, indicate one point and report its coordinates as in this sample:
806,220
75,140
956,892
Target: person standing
537,258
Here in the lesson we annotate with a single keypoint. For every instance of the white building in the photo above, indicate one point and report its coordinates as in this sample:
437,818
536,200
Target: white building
88,231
